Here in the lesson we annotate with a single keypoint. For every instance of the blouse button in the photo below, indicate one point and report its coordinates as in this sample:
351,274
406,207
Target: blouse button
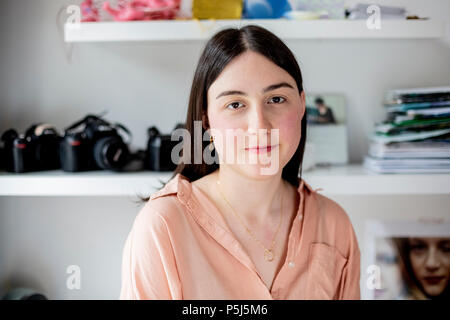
291,264
300,216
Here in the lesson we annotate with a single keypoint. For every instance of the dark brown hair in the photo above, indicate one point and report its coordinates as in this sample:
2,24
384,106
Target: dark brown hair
219,51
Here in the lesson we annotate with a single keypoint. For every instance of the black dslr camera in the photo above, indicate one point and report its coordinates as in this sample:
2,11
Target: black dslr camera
94,144
2,159
35,150
159,150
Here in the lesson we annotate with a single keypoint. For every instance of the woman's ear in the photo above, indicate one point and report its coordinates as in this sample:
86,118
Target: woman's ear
205,122
303,101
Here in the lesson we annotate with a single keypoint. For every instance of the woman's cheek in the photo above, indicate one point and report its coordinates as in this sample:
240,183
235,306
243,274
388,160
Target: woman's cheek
229,137
290,128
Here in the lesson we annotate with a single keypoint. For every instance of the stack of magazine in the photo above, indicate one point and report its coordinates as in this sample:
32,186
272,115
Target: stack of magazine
415,137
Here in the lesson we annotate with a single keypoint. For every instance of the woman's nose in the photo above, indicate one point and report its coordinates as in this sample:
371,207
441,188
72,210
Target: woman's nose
258,120
432,262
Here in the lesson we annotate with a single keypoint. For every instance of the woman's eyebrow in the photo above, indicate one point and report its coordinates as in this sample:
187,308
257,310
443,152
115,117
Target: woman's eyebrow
269,88
278,85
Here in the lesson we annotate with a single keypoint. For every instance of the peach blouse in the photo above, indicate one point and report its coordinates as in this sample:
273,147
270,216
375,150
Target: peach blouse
180,247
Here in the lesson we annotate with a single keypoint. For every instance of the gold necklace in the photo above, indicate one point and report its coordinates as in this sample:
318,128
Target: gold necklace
269,254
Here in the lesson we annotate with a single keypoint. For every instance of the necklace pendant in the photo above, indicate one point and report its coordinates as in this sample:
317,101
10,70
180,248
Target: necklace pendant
268,255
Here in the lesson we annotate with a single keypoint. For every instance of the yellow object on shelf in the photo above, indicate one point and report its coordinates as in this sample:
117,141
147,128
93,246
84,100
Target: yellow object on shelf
217,9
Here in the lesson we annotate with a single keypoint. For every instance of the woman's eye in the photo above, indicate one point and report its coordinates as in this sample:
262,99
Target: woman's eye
445,247
418,247
277,100
234,105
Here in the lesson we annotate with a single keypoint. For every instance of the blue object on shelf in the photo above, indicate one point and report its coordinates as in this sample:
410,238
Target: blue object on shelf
265,9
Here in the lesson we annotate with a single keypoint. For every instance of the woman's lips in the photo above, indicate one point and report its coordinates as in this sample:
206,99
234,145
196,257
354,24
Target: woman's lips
433,280
261,150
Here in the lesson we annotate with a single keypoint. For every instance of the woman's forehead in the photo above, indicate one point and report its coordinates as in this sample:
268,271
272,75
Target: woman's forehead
249,72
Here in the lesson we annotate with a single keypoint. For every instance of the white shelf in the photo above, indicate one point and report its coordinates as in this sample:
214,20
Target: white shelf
92,183
162,30
344,180
357,180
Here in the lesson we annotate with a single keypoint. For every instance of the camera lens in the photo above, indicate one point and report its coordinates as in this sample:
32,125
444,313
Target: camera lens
110,153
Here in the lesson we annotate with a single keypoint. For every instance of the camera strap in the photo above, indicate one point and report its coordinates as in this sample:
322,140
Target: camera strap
76,124
125,130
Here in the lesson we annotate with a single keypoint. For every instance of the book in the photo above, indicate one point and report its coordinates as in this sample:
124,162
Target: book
419,149
408,136
412,125
417,95
399,107
407,165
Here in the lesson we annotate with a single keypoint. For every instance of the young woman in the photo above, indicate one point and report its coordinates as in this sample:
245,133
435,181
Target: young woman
425,267
229,229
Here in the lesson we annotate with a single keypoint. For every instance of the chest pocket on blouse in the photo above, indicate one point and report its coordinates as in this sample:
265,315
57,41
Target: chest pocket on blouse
325,266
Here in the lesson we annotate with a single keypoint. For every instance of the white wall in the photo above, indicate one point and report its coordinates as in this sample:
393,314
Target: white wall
144,84
41,237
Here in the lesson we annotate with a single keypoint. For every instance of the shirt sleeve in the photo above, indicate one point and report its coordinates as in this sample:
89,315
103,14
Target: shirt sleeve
149,269
350,289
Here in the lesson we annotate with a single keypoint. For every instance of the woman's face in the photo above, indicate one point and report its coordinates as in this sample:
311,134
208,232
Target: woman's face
430,261
252,93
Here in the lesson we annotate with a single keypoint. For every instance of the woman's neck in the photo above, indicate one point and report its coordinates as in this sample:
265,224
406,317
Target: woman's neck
255,201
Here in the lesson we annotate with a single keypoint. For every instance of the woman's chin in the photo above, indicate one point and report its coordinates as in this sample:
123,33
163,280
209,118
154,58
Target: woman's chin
434,290
257,165
259,171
